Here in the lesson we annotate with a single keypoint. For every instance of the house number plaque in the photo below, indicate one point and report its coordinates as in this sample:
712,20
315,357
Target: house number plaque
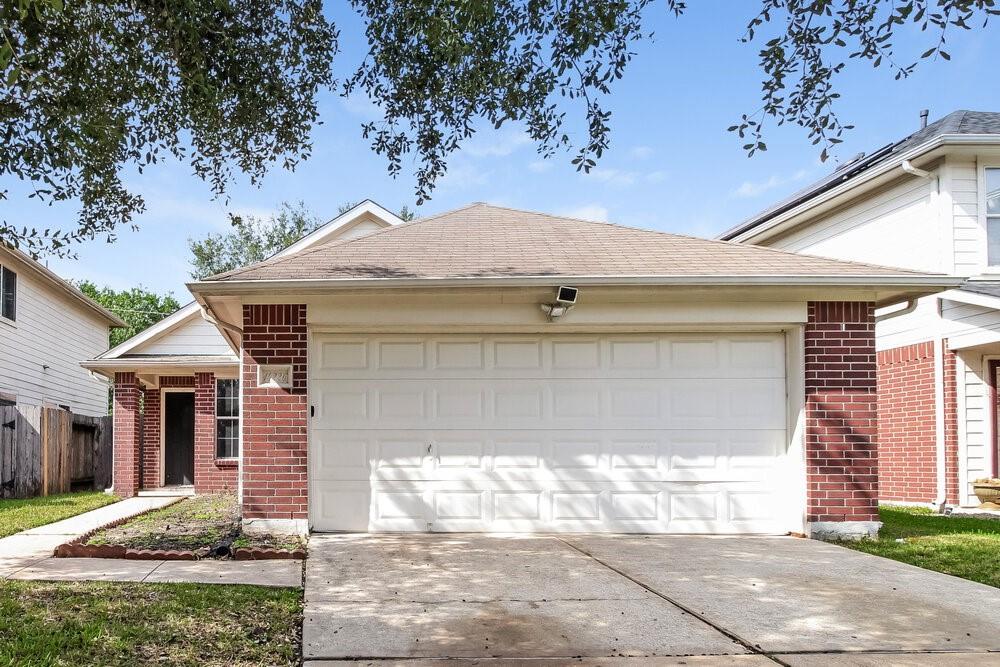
274,376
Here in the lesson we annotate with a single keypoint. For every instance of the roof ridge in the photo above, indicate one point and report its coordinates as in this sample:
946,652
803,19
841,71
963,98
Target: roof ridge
332,244
711,241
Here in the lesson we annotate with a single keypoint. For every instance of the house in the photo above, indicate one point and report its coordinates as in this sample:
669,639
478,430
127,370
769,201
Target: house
47,327
930,202
488,369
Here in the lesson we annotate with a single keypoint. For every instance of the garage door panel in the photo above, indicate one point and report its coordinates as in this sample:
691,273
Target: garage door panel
622,433
591,403
518,455
738,355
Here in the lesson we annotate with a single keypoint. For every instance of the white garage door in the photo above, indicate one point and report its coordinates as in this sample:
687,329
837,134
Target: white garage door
653,433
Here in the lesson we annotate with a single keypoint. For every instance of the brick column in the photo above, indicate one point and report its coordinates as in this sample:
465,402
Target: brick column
127,435
275,420
150,476
204,431
841,420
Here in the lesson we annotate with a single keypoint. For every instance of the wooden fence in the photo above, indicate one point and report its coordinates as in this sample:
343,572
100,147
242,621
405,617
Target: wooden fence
49,450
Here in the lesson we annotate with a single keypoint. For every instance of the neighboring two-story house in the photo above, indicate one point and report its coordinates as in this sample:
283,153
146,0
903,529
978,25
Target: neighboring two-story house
929,202
47,327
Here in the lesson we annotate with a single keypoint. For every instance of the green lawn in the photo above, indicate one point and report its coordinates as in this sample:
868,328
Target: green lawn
962,546
92,623
18,515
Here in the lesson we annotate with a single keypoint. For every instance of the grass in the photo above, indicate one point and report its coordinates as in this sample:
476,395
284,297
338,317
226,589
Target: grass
193,523
196,523
18,515
92,623
965,547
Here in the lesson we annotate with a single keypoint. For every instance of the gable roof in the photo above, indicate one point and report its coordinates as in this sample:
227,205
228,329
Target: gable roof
484,242
367,210
60,285
967,124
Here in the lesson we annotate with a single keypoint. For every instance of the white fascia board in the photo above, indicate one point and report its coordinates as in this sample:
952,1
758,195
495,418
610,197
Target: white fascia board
223,287
971,298
751,235
340,222
161,327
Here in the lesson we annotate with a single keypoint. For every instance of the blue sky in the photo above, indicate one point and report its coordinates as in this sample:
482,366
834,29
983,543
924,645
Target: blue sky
672,166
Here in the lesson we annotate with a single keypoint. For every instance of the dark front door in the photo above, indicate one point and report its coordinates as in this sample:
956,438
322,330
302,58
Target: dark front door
178,437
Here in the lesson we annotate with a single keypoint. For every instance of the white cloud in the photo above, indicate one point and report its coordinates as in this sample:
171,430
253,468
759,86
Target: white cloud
640,152
594,212
657,176
496,143
360,104
540,166
615,177
461,175
749,189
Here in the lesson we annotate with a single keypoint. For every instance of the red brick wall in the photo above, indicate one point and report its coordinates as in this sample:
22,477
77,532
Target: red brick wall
841,412
150,438
907,461
907,424
210,474
275,420
127,435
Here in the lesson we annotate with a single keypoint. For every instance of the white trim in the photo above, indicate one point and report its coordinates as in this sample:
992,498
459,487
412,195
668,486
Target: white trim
163,417
990,429
795,407
971,298
939,423
981,168
918,281
961,407
341,223
162,326
751,234
64,286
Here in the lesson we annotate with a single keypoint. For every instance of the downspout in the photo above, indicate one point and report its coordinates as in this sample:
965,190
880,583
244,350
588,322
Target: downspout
939,417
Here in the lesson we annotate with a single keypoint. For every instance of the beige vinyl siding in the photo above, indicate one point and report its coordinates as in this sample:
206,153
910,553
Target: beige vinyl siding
897,226
970,236
51,330
193,336
975,432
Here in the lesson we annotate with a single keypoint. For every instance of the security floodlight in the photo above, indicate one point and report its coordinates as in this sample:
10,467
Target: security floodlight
567,295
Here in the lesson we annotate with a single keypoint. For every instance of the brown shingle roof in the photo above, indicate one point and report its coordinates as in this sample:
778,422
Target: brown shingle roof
484,241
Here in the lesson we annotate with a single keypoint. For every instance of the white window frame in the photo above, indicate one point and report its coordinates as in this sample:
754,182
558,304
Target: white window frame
234,418
986,216
3,318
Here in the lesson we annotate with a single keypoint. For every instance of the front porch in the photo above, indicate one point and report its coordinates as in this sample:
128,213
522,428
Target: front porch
176,431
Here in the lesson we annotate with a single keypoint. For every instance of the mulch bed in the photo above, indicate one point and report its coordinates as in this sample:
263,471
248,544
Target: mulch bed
205,526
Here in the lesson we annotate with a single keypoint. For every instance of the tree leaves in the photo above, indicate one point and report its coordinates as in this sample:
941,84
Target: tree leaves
802,62
252,239
137,307
93,88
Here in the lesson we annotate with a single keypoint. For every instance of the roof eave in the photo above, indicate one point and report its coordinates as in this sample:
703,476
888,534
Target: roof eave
64,286
233,287
750,229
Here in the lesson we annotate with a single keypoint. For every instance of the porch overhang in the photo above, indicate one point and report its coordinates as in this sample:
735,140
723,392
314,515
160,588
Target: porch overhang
149,369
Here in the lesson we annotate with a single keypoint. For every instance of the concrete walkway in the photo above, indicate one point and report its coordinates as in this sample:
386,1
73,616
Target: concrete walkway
29,546
283,573
28,555
477,599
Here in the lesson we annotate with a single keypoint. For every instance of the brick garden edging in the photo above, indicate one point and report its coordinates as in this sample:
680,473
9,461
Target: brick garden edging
76,548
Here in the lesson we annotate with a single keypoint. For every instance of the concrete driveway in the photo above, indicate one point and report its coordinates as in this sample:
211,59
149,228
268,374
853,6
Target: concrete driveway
605,600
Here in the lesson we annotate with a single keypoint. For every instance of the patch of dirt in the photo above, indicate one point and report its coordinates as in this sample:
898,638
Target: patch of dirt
194,523
201,524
